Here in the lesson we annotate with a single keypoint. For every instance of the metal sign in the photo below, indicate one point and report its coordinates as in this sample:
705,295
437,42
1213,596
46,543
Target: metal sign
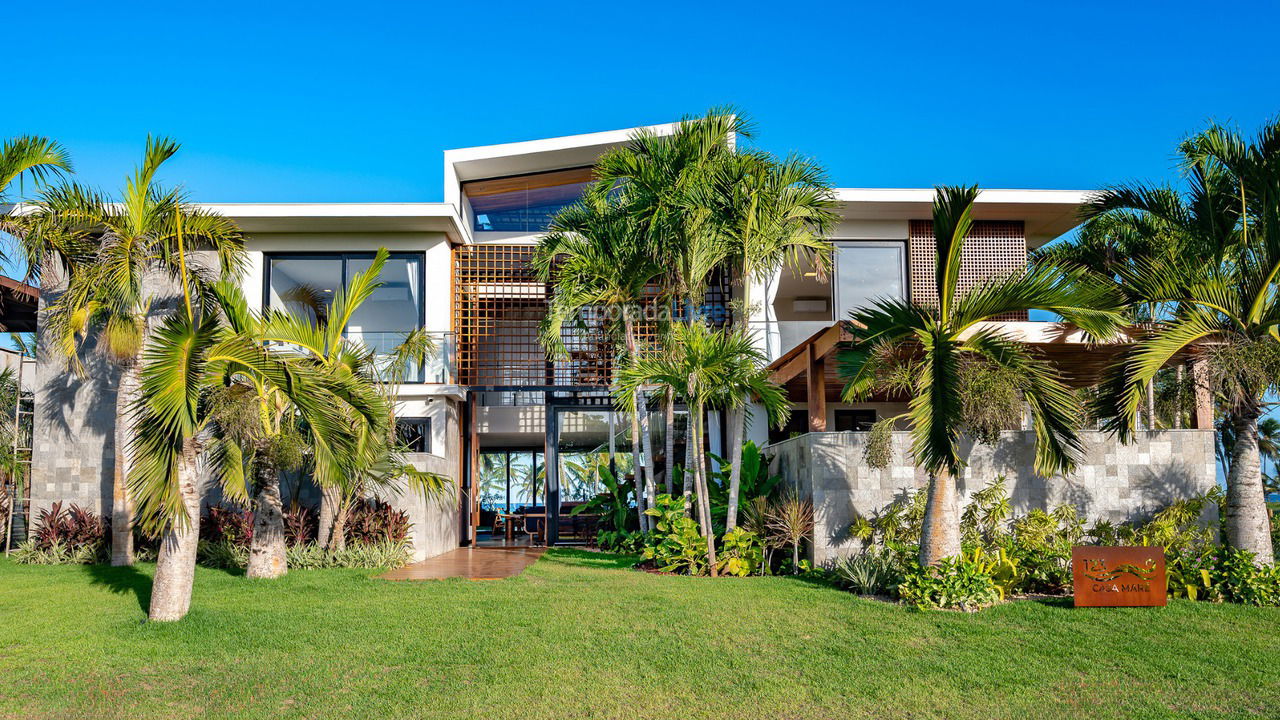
1119,576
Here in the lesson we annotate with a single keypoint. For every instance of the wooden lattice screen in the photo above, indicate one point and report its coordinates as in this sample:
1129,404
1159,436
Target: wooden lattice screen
993,247
499,305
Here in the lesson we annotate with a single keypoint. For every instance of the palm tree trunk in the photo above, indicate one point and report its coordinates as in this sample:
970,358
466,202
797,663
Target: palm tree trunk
127,393
704,501
646,442
737,424
266,549
329,499
637,468
669,460
690,450
1248,527
637,465
338,542
940,534
176,566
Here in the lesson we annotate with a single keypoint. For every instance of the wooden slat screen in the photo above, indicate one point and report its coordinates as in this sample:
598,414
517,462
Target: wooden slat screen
993,247
498,307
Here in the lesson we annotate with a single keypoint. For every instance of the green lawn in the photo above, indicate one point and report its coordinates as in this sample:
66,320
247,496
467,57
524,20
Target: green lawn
579,635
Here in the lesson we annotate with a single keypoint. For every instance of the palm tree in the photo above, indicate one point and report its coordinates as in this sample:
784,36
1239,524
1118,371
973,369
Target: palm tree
654,175
1222,301
1109,245
708,368
595,258
190,358
934,354
124,285
769,213
263,428
29,156
377,460
40,159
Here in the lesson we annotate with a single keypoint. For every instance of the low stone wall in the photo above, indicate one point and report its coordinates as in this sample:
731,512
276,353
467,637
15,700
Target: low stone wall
1113,482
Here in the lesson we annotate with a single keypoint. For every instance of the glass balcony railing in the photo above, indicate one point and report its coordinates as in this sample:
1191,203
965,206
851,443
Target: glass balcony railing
438,365
438,368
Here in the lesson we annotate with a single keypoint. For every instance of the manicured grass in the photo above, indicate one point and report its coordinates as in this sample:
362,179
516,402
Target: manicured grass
579,635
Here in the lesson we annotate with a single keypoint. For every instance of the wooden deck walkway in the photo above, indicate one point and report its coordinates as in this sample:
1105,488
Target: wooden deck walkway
470,563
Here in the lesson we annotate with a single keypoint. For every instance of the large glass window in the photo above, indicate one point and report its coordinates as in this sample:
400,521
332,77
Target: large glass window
305,285
525,203
868,271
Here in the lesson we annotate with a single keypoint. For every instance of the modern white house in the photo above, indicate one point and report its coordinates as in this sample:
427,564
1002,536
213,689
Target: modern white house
511,427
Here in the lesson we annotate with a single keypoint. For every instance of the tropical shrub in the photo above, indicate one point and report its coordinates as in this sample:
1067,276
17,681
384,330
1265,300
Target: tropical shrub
954,583
741,553
1233,576
74,527
621,541
870,572
675,545
1005,570
756,482
300,526
372,522
1041,544
385,554
614,505
789,522
231,556
228,523
59,553
222,554
1031,553
74,536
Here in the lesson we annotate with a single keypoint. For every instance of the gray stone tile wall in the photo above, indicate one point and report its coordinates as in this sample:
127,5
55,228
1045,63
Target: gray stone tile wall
1113,482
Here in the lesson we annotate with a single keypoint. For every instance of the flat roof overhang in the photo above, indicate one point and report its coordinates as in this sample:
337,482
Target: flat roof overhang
518,158
18,305
343,217
329,217
1047,213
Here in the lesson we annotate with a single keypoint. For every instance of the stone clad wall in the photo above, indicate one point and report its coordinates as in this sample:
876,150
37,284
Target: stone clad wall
73,443
1113,482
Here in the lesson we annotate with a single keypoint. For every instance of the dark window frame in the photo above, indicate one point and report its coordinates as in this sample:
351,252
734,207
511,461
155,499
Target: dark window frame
346,258
424,423
851,416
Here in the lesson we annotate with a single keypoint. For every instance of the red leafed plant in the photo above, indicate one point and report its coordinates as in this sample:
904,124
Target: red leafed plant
228,524
299,526
372,522
72,528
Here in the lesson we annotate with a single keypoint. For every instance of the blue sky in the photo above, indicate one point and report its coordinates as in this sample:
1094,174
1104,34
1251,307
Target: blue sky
335,102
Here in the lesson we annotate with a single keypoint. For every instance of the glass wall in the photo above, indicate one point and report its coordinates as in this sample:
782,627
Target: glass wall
867,271
305,285
524,203
510,480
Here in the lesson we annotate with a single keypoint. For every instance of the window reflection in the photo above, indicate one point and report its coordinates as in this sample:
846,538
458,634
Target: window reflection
525,203
305,286
866,272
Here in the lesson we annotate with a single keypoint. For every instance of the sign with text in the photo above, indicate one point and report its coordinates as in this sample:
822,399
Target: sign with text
1118,576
